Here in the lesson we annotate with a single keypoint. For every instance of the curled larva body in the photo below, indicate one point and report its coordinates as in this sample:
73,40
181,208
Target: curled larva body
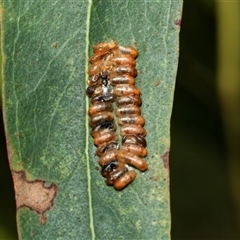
103,128
131,119
128,50
105,137
126,90
125,180
123,79
135,149
132,160
108,157
107,146
94,90
102,98
99,67
124,70
112,176
126,110
112,80
123,59
129,99
134,139
100,107
100,118
133,129
104,47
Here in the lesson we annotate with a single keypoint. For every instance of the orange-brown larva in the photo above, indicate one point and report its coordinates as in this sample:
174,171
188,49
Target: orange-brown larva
127,110
131,119
126,90
129,50
132,160
106,146
104,47
123,59
112,79
133,129
132,99
135,149
113,176
124,70
134,139
101,138
101,117
108,157
124,180
103,128
100,107
124,79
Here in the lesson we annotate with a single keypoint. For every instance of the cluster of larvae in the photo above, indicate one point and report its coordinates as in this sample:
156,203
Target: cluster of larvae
112,81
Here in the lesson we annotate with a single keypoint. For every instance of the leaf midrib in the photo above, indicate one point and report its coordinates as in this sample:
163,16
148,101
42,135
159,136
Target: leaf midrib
86,122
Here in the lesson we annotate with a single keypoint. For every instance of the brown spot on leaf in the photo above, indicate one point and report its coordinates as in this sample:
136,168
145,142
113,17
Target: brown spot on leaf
155,178
54,45
20,163
33,195
157,82
17,134
165,158
178,22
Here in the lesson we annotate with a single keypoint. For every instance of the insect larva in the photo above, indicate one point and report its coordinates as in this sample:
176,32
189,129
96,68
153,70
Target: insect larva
107,137
126,90
103,128
133,129
100,118
123,59
104,47
107,146
127,110
132,160
123,181
124,70
131,119
135,149
112,78
108,157
100,107
124,79
134,139
113,176
129,50
131,99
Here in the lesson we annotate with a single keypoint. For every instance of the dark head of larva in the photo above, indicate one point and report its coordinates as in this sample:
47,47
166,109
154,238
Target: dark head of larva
107,146
90,91
134,139
110,125
109,168
104,74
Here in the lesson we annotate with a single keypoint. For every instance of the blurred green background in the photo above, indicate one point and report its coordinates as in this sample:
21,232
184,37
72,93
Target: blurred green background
205,129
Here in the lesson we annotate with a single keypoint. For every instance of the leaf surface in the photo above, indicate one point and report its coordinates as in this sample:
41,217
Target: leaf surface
46,46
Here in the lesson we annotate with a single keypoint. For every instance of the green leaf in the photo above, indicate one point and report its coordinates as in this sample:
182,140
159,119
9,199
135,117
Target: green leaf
46,46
